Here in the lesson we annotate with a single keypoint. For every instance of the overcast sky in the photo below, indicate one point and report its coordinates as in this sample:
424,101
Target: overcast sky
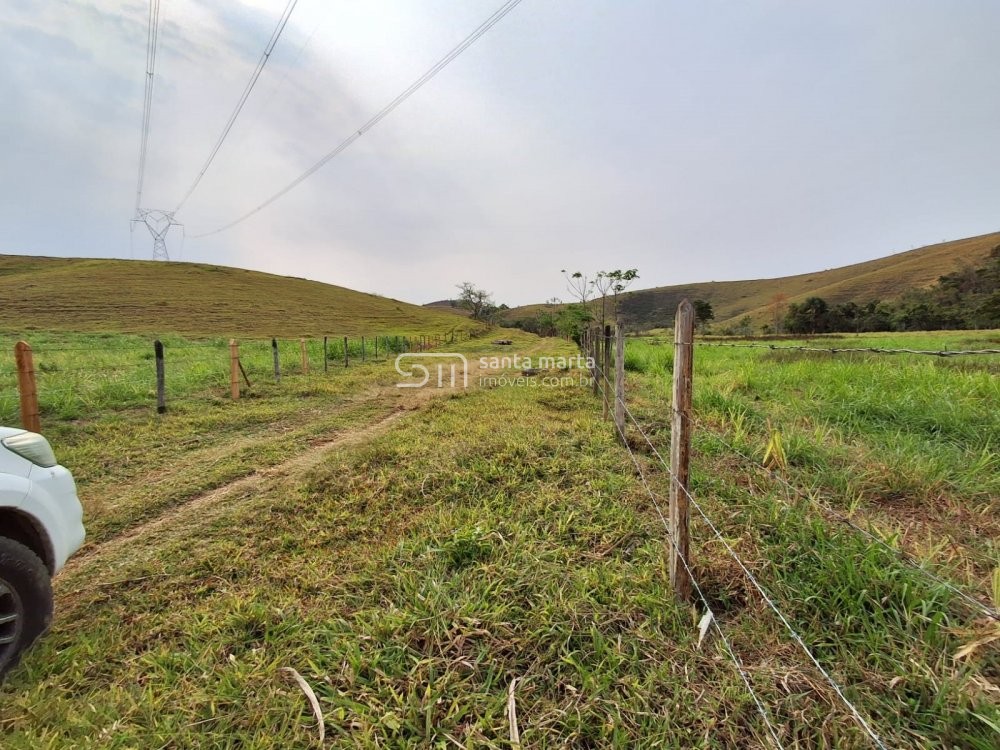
693,140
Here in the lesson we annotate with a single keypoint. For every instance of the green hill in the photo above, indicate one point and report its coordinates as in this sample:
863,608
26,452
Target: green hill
133,296
449,305
883,279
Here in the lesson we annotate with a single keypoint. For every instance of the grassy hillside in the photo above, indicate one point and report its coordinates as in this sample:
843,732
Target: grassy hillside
85,295
449,305
883,279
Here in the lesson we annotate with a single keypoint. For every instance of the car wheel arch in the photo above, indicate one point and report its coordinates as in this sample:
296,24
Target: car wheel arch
21,527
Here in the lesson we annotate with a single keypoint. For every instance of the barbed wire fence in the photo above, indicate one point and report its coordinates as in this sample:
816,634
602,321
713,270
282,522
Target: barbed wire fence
596,344
71,381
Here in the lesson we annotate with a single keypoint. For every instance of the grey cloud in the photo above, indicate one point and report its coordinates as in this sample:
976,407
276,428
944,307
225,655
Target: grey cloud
701,140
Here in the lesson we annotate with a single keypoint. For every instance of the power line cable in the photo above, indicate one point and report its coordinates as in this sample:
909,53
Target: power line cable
268,49
378,117
292,63
152,37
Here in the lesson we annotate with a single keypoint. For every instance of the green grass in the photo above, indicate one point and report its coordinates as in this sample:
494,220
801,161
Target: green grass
81,375
911,440
193,299
650,359
502,533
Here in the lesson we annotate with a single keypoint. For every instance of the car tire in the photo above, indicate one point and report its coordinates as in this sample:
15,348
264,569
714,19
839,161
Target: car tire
25,601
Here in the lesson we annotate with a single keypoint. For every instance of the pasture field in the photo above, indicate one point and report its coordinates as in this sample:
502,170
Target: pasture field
432,561
83,375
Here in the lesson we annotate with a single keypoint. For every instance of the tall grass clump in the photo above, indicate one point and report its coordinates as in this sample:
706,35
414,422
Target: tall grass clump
650,359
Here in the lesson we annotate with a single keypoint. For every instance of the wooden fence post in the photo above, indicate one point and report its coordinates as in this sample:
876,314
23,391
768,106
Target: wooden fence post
362,348
620,378
234,369
305,357
606,367
161,389
326,356
345,352
27,387
376,348
595,348
680,449
277,360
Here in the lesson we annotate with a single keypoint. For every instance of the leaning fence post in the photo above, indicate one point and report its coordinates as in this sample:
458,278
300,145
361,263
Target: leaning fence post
27,387
620,378
345,351
234,369
277,360
680,449
326,358
305,357
161,391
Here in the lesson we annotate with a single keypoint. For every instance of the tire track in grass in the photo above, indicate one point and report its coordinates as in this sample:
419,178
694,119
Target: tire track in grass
205,507
144,497
199,510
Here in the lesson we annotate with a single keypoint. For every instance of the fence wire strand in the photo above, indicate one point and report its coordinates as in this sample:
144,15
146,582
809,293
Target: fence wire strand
854,350
715,620
753,579
901,555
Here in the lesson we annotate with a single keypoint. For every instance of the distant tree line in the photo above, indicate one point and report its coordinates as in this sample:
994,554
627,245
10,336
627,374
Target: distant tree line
555,319
967,298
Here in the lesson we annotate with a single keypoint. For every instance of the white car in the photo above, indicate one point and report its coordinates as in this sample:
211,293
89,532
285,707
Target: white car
41,525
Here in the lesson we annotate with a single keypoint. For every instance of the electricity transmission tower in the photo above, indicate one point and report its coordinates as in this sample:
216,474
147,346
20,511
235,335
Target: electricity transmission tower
158,223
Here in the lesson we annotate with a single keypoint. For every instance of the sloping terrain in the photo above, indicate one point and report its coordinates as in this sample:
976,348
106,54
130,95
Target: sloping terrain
883,279
132,296
449,305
